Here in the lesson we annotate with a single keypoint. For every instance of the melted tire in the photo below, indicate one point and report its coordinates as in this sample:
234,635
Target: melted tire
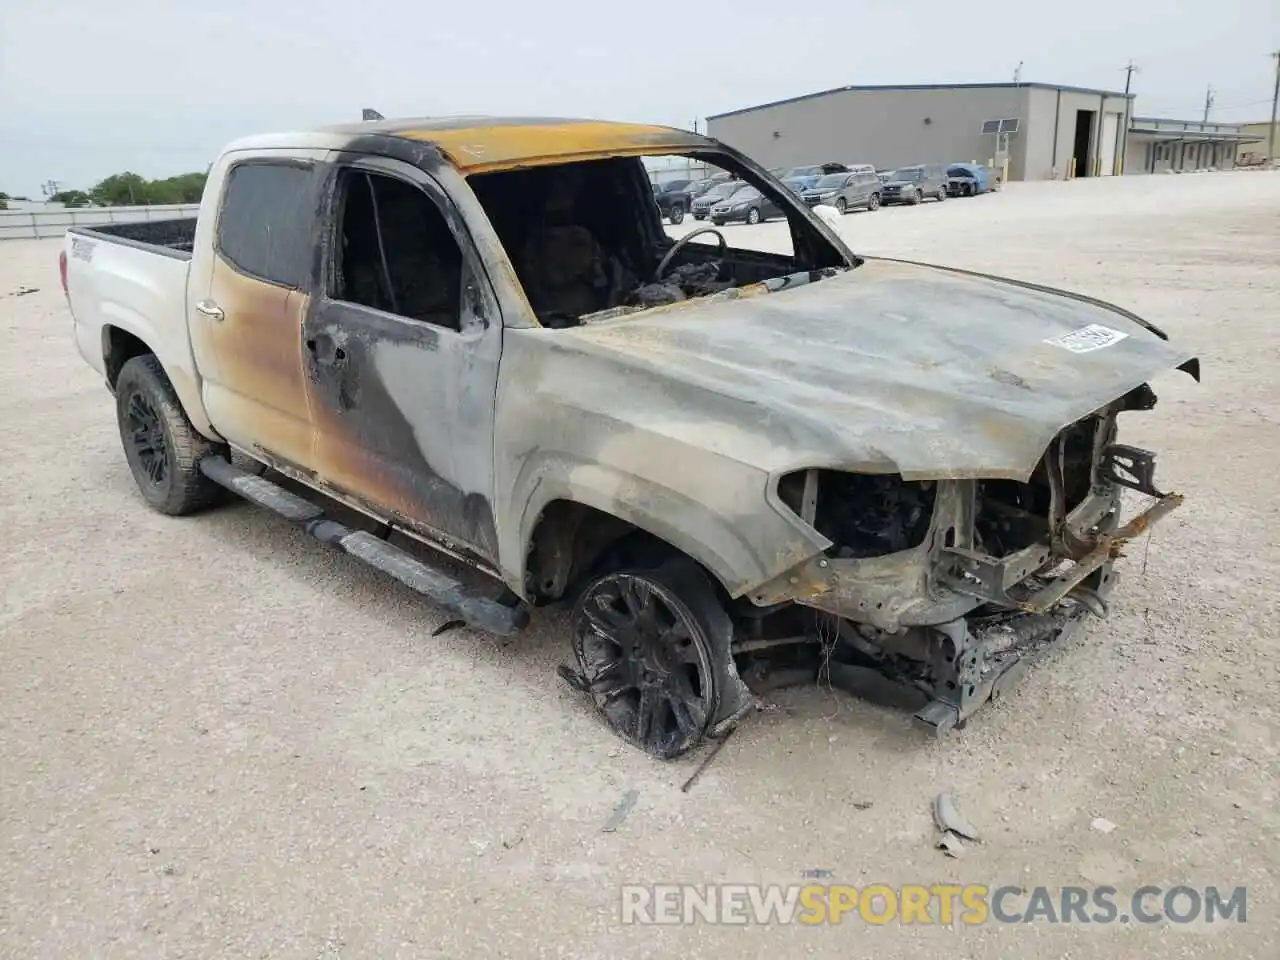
654,649
162,447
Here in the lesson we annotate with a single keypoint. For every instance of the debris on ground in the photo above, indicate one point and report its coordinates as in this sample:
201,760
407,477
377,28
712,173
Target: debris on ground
624,807
706,761
947,816
573,677
447,626
23,291
951,845
862,804
1102,825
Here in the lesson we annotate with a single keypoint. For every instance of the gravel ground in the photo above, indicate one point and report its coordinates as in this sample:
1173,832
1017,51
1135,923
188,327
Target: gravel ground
220,739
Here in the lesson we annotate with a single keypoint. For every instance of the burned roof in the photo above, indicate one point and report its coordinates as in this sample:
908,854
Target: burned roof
476,144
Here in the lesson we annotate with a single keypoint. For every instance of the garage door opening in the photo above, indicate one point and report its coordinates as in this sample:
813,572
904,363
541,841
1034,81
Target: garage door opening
1081,152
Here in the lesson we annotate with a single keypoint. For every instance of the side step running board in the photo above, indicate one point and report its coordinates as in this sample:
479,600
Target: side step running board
441,588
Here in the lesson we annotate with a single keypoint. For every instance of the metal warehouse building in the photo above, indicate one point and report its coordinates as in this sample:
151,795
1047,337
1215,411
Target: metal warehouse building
1038,128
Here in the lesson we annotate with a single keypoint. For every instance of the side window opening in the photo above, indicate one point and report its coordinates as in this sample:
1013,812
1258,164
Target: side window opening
265,221
395,252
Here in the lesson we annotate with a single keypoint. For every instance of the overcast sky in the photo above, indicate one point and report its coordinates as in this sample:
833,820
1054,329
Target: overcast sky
92,87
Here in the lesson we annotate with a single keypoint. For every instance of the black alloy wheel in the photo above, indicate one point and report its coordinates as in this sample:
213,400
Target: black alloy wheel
646,656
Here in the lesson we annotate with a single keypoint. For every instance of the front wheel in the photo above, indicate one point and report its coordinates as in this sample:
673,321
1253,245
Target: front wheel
842,205
917,197
653,647
753,216
677,214
873,202
163,448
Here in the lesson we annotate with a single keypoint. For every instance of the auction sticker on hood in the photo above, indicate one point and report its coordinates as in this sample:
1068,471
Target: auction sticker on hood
1093,337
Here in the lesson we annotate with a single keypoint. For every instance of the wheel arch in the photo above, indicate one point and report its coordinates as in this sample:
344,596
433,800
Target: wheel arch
560,520
124,338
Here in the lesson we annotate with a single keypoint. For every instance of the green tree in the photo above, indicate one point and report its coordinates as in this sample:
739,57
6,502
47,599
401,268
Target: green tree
4,201
120,190
130,189
71,198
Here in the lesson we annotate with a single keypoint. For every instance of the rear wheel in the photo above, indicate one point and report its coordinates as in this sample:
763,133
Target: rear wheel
677,214
163,448
873,202
654,650
942,193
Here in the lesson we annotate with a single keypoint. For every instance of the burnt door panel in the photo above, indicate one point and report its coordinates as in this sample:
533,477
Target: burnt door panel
402,385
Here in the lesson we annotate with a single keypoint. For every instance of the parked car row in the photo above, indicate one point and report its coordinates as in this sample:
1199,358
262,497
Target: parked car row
724,199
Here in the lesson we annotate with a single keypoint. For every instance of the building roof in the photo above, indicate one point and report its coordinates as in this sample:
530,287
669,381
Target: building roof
479,144
1162,128
921,86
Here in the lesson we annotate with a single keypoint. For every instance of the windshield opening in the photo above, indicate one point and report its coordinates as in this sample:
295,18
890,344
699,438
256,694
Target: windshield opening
831,181
908,173
589,240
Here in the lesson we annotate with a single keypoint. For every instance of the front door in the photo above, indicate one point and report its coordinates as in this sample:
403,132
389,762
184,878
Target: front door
401,354
248,292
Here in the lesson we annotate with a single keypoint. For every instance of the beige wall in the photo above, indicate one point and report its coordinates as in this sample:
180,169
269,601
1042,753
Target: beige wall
1259,148
883,127
887,128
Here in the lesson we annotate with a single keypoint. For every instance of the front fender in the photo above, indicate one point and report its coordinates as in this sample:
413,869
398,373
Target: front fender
740,546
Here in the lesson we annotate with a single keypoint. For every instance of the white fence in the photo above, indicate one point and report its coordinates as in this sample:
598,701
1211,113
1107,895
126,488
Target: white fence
35,224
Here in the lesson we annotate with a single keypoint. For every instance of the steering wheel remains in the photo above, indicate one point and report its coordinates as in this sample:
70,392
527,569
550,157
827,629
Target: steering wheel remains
679,245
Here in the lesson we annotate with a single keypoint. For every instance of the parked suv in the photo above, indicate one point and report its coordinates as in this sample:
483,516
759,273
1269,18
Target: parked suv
914,184
673,199
846,191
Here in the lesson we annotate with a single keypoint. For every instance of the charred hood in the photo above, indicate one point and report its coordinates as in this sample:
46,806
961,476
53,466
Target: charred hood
891,367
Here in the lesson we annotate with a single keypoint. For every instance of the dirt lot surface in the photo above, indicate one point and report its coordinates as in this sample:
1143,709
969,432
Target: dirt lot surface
219,739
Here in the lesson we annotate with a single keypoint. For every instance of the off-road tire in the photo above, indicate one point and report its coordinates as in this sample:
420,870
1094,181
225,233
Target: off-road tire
163,456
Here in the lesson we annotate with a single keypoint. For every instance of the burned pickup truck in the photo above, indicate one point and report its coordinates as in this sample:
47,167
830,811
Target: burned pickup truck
476,334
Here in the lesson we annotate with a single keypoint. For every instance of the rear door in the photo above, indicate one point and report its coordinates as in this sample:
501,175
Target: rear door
248,292
401,350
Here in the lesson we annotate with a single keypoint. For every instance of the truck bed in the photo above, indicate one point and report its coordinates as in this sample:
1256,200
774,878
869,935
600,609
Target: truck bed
172,238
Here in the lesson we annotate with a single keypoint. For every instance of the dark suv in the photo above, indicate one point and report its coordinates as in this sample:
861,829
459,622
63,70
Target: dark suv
845,191
673,198
914,184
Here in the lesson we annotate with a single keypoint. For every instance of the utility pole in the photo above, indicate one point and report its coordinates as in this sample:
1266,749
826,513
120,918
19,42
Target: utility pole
1129,70
1275,96
1017,73
1208,102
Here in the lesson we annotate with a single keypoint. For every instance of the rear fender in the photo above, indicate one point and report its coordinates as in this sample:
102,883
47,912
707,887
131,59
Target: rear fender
177,367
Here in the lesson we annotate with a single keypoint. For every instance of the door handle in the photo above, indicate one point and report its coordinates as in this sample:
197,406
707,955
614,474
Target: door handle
210,309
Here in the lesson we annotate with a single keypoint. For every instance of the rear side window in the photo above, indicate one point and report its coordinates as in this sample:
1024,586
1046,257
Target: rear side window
265,223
